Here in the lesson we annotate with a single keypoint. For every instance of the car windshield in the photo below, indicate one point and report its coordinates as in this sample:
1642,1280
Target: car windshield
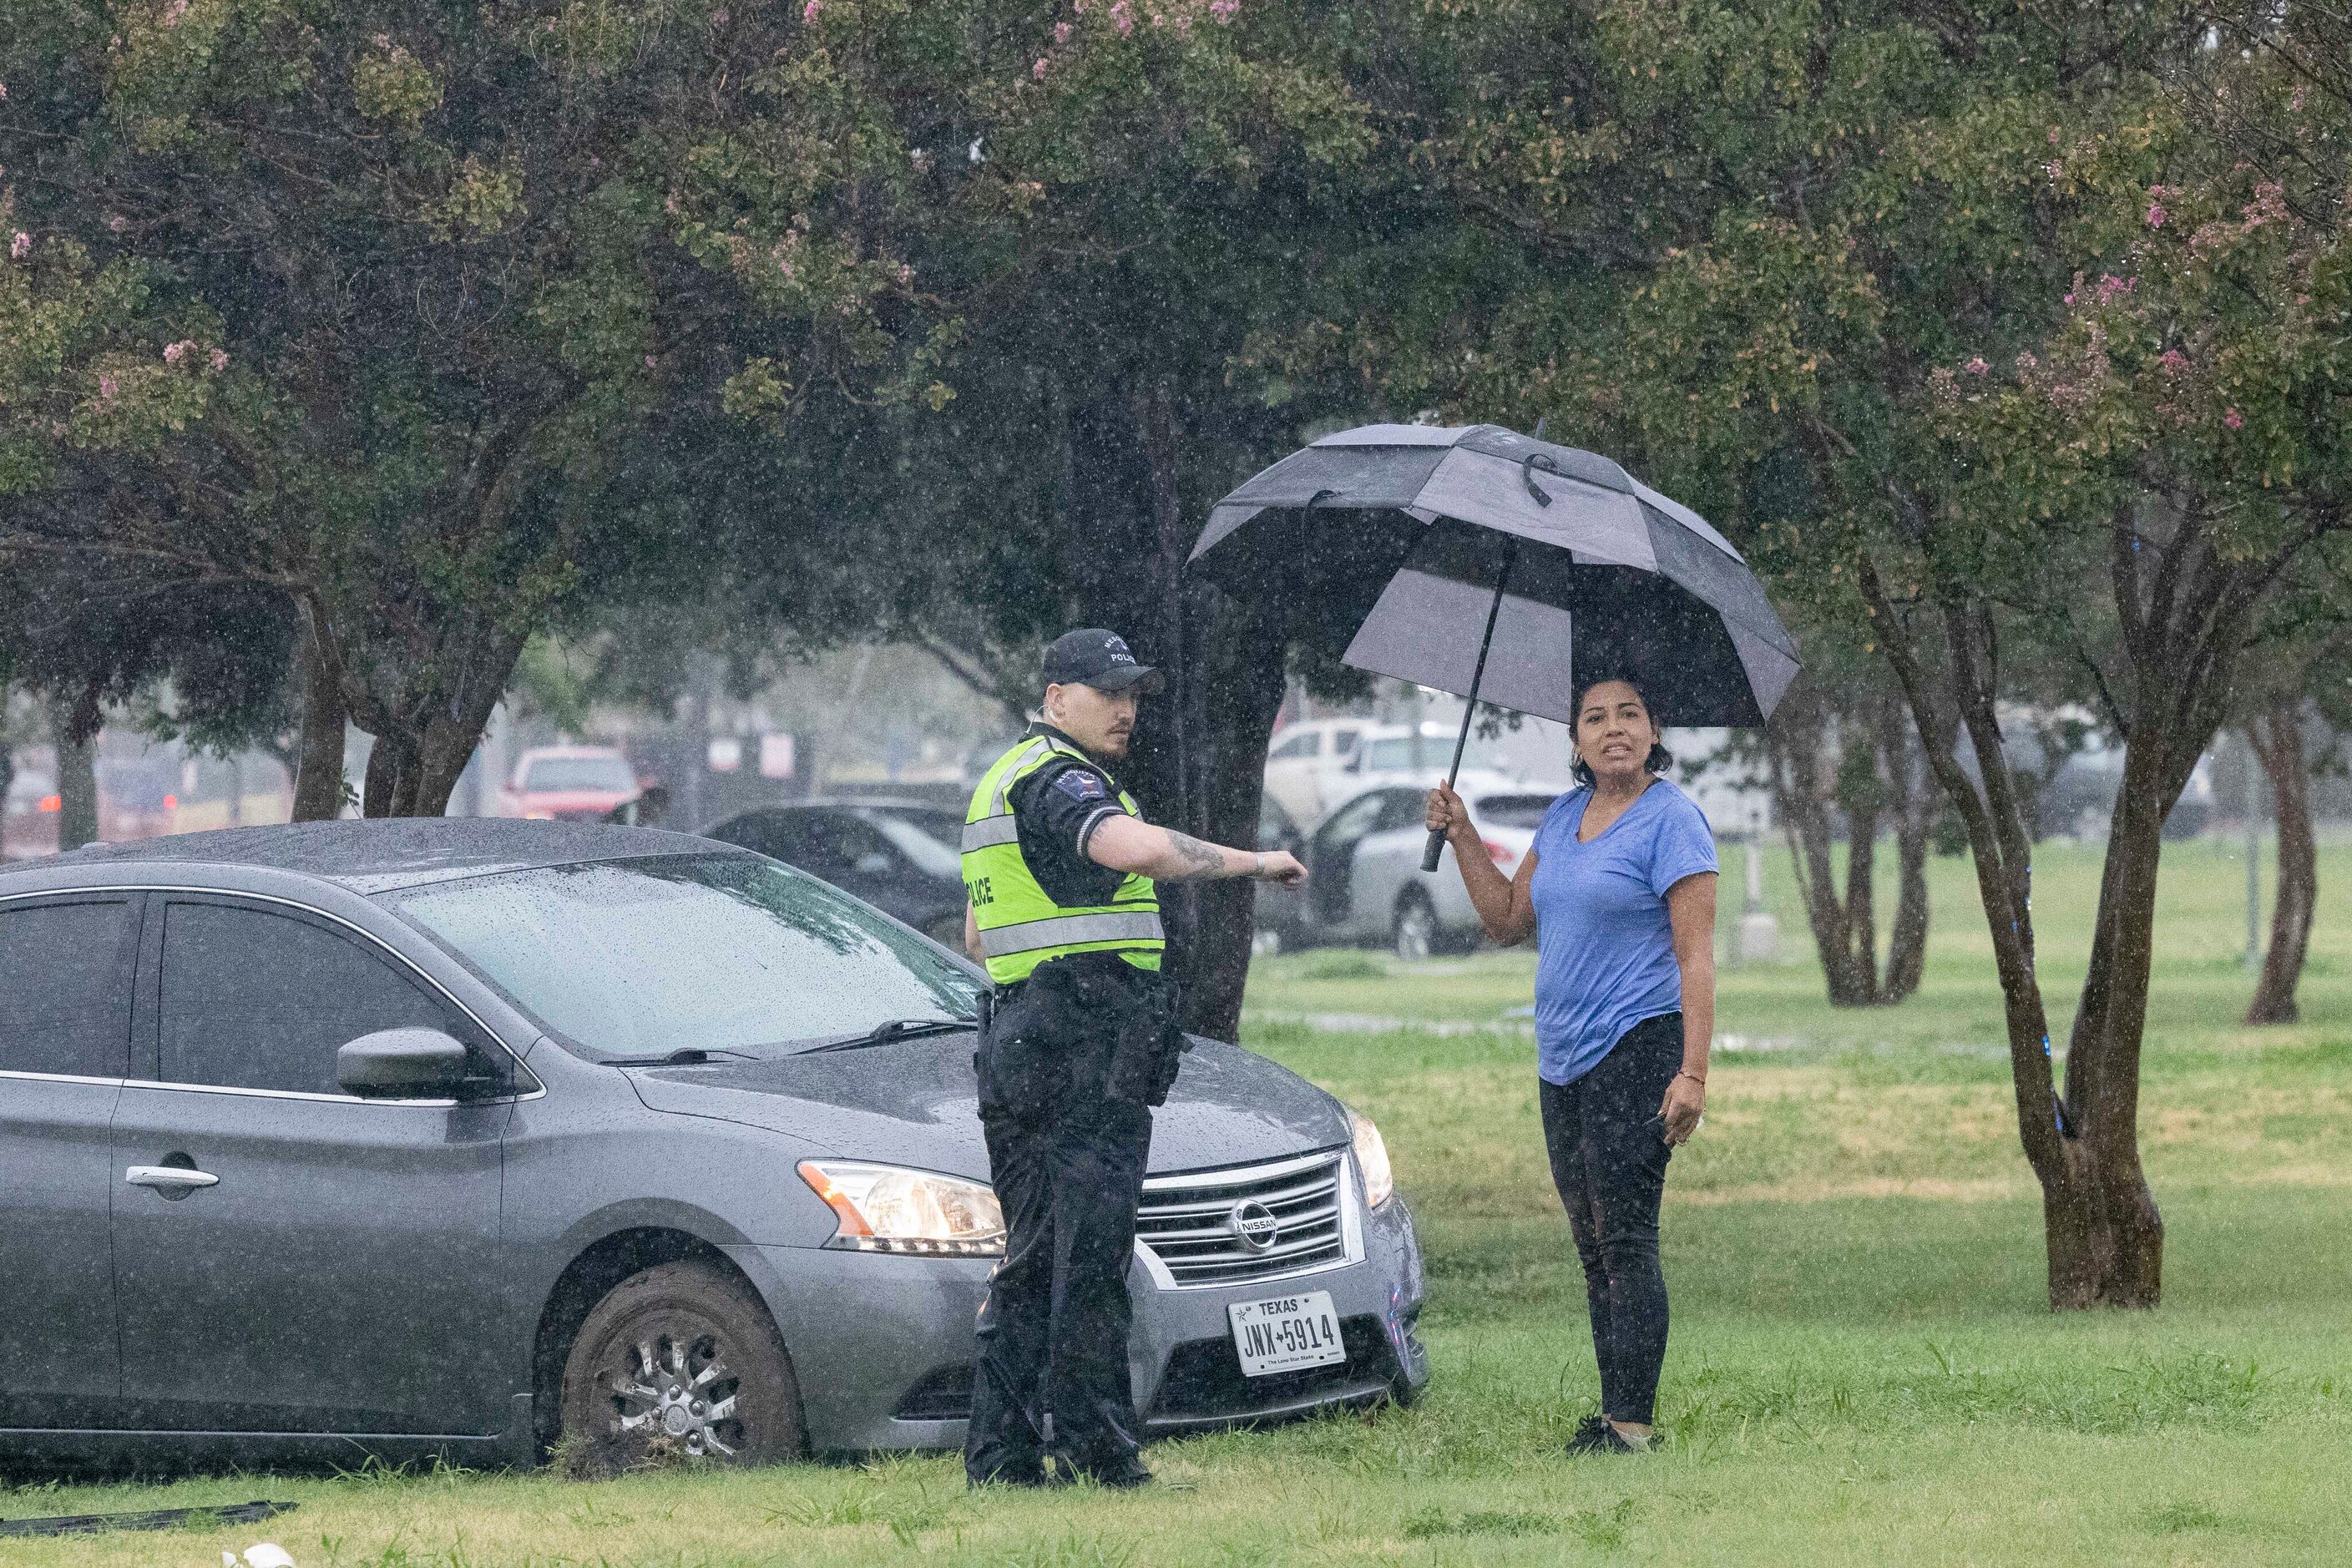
644,957
923,849
606,774
1513,810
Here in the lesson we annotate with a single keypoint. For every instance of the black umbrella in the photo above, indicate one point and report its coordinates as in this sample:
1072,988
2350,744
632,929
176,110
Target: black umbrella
1480,561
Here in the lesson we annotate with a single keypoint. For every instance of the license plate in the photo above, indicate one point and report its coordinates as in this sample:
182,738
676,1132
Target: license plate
1287,1333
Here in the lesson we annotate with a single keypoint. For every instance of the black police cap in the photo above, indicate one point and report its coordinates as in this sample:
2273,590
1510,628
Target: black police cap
1099,659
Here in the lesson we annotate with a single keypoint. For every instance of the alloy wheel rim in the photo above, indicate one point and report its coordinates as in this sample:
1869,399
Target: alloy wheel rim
679,1388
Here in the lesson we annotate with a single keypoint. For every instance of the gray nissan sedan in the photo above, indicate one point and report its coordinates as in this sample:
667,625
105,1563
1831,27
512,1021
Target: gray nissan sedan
472,1137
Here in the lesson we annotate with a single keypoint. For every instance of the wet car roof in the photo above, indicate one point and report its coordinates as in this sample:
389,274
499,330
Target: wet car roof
370,856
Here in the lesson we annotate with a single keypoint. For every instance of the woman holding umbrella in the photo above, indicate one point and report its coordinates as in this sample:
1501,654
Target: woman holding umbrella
1619,892
1502,567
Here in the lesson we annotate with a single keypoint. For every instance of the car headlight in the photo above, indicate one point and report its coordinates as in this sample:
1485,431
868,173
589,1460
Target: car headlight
882,1208
1371,1159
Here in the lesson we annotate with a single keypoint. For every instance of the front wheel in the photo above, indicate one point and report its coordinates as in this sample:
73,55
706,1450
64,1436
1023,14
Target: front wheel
1415,931
679,1361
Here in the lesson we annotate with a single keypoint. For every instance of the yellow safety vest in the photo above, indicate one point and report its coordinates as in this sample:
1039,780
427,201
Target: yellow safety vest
1020,924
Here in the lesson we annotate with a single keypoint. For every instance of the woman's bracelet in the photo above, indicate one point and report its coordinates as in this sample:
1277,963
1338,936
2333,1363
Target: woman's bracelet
1680,1072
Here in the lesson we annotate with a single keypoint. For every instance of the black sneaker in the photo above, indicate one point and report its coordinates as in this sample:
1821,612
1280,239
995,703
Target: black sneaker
1588,1435
1607,1440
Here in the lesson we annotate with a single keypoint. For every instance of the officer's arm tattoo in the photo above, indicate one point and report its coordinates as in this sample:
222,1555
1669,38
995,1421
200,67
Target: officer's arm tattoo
1198,861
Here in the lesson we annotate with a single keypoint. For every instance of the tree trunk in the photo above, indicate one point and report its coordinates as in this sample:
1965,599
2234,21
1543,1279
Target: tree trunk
1198,761
1914,819
1951,698
7,746
77,788
318,754
1906,939
2114,1240
2277,738
427,732
1854,758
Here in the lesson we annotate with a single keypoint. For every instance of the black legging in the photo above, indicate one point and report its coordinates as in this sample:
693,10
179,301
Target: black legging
1609,1160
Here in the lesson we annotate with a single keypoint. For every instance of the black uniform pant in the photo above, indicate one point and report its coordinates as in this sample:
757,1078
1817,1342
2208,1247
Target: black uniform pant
1608,1157
1067,1150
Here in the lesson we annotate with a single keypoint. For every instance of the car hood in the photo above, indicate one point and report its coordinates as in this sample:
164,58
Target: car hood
915,1103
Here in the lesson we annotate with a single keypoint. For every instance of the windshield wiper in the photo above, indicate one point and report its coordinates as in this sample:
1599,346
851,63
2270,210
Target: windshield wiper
685,1056
890,1029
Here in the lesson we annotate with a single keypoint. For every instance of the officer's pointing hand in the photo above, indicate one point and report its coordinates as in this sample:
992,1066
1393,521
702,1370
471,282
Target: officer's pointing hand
1279,866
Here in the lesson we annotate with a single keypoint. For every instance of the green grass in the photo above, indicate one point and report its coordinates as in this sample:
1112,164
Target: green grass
1861,1369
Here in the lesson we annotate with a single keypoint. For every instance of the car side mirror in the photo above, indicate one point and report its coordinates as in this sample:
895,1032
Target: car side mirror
405,1064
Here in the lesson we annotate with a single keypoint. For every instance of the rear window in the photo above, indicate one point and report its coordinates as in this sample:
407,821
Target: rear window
923,849
606,774
65,993
643,957
1513,810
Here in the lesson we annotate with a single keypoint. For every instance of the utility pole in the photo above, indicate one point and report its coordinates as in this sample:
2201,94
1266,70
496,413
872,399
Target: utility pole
1759,929
2253,859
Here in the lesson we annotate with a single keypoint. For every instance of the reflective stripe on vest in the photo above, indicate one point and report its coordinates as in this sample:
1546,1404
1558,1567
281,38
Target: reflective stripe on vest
1020,924
993,830
1067,931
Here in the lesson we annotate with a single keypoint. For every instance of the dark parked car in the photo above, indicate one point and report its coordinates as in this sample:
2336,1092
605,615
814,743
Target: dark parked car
465,1136
902,856
1282,918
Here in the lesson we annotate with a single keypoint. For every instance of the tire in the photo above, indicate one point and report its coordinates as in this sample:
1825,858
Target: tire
1413,934
721,1388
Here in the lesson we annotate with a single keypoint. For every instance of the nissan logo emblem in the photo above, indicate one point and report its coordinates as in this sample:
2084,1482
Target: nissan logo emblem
1253,1224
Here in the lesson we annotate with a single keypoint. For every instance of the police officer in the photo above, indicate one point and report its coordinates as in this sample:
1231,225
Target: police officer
1080,1042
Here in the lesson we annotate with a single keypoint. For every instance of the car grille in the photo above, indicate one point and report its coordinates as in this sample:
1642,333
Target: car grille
1204,1380
1187,1220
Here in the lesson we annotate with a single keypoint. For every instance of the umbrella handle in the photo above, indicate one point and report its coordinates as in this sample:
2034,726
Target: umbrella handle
1436,848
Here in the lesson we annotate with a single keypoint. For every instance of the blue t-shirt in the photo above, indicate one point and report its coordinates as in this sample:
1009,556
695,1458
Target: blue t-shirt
1604,947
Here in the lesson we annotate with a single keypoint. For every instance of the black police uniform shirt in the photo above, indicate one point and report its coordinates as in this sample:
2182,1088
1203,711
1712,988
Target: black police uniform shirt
1056,810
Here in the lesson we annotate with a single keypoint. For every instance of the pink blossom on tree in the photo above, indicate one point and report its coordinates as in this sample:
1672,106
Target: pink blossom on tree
1222,12
219,361
2234,420
809,11
174,352
1037,71
21,247
1977,366
1061,32
1122,18
108,386
176,13
2156,215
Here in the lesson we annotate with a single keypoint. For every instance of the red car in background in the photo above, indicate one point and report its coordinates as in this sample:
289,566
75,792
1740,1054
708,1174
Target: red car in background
569,784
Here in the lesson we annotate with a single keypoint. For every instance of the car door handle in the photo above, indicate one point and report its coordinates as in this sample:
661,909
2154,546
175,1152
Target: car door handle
169,1176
